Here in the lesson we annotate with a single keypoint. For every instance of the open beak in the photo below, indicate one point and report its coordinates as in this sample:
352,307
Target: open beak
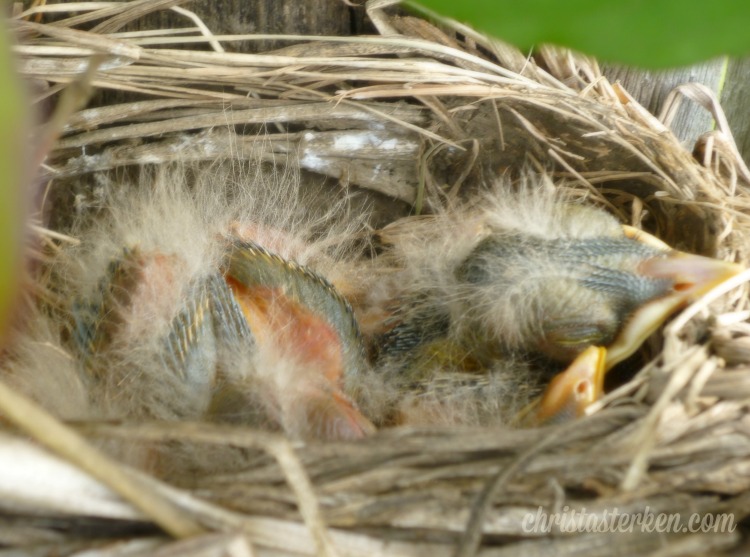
572,391
692,276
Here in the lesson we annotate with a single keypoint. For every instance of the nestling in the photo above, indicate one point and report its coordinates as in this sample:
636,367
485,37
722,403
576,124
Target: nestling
187,304
171,308
490,295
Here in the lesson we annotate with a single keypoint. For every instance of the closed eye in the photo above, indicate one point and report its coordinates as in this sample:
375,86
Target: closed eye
563,341
574,334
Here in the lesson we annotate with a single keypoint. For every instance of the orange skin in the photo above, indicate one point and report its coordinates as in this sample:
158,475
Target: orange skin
315,348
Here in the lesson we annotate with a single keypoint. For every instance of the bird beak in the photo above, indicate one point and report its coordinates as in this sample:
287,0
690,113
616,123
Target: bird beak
692,276
572,391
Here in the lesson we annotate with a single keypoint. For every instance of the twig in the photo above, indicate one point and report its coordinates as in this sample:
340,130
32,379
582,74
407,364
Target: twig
33,420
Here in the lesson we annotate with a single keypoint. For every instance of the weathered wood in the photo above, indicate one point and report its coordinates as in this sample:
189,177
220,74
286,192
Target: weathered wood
242,17
735,99
650,88
245,17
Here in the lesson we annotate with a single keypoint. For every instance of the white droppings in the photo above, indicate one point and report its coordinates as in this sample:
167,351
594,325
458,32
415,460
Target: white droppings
313,162
363,140
148,158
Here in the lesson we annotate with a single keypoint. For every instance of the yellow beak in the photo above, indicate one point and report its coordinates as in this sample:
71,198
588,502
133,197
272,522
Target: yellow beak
572,391
582,383
692,276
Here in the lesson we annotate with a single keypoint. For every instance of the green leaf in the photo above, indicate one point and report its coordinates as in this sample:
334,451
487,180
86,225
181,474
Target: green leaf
647,33
14,162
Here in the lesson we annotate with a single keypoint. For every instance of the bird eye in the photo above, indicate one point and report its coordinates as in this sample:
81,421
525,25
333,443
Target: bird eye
584,339
564,341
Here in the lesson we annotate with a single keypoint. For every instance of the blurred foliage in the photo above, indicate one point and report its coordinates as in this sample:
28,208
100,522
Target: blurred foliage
14,161
647,33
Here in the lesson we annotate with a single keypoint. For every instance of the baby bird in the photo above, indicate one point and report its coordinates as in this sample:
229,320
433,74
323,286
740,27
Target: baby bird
486,300
188,303
172,307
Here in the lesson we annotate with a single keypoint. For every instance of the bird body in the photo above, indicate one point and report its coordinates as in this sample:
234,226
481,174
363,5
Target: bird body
520,284
169,307
240,305
301,318
507,267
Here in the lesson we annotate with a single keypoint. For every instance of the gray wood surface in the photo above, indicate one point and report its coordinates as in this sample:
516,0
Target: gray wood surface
314,17
244,17
651,89
735,99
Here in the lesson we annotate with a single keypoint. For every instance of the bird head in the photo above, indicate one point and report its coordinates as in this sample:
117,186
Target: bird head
582,281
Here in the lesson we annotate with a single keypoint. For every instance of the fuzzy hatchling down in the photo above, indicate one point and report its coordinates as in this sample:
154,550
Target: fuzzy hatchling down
184,301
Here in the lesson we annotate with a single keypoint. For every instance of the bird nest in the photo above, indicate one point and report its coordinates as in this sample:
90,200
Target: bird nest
411,119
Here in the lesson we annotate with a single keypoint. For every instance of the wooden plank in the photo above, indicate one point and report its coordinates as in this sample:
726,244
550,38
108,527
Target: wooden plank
651,88
735,98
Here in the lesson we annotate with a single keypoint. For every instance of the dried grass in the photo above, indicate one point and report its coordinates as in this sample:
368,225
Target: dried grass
419,115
